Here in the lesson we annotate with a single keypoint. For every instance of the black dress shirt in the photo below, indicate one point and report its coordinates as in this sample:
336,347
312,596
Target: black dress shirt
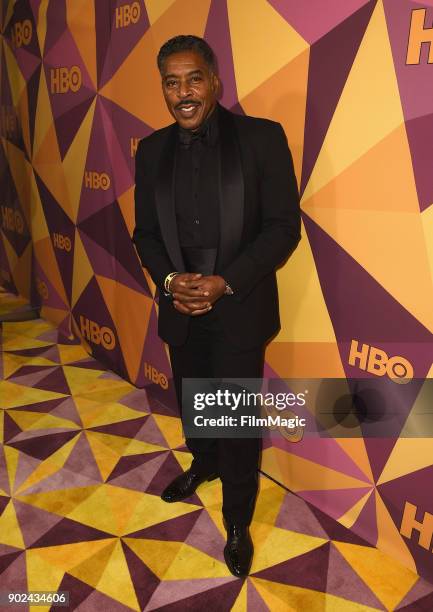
196,187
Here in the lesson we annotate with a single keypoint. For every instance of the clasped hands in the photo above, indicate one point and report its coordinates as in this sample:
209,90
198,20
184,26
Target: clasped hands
195,294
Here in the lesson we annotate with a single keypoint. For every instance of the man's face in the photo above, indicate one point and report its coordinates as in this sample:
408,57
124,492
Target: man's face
189,87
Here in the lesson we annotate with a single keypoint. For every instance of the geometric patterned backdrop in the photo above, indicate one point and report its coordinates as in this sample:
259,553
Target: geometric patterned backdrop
351,82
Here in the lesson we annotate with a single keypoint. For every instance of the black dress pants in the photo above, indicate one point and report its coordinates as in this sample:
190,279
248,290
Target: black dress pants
208,353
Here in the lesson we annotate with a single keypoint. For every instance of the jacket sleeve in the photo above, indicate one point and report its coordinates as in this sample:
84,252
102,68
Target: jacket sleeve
280,218
147,236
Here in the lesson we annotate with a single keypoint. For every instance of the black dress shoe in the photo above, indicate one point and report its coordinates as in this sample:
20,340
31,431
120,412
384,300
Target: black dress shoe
238,552
184,486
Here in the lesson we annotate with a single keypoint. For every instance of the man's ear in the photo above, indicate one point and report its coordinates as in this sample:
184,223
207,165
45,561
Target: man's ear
216,84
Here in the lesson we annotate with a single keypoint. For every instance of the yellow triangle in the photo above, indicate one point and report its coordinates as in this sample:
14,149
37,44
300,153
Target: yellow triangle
74,163
388,580
303,312
91,569
419,423
106,457
391,247
59,502
12,456
10,531
71,352
16,395
41,24
157,555
191,563
80,17
389,540
171,429
355,449
82,271
427,225
270,99
240,604
151,510
299,474
16,80
95,415
139,308
281,597
42,574
116,580
278,545
136,447
408,455
50,466
68,556
254,63
349,518
151,109
155,8
28,421
364,115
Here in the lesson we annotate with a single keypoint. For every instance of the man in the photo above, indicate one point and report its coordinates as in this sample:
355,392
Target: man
217,209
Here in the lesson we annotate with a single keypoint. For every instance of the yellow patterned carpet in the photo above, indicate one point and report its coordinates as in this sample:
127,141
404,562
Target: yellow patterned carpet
83,459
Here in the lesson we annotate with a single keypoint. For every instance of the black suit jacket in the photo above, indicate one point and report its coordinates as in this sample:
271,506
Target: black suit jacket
259,223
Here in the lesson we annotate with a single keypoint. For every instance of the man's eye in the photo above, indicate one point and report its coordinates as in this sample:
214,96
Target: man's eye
170,83
196,78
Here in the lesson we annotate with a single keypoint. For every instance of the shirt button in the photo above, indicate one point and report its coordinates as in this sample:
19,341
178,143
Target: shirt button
196,221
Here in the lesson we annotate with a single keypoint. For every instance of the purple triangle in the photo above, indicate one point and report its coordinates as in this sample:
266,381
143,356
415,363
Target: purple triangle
4,478
366,523
138,478
68,531
334,502
416,489
42,447
78,592
3,503
126,429
7,560
421,589
220,597
205,536
308,570
92,307
314,19
55,381
29,376
419,131
335,530
62,234
331,59
10,428
93,196
46,406
175,529
144,580
131,462
107,228
124,37
217,34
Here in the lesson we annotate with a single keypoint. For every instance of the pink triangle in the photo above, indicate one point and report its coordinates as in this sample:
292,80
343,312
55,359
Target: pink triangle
81,460
334,502
171,591
295,515
206,537
140,477
34,522
343,581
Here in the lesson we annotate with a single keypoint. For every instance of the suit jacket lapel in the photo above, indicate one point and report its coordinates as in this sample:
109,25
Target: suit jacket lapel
231,190
165,200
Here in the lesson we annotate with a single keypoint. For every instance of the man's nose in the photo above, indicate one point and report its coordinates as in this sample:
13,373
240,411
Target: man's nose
184,89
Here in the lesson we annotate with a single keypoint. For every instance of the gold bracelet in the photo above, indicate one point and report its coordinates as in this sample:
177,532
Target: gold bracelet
168,280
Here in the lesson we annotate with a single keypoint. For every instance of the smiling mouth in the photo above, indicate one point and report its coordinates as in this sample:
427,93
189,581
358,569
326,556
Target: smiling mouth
187,109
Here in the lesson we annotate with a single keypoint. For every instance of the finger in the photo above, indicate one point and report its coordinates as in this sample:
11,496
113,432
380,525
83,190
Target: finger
195,313
181,308
192,297
189,278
